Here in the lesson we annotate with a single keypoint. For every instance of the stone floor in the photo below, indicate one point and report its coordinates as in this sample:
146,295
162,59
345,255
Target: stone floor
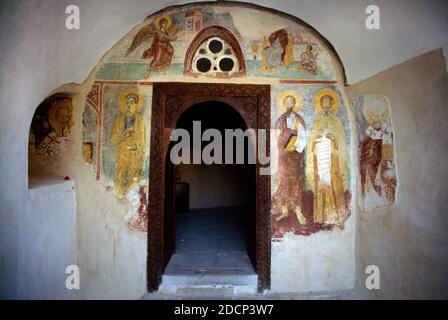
210,251
211,229
212,239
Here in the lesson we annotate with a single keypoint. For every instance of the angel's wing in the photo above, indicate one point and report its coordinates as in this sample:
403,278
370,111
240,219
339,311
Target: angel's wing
144,34
173,30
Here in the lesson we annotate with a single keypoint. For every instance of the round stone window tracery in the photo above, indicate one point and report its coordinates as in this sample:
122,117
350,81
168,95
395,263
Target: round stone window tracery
215,56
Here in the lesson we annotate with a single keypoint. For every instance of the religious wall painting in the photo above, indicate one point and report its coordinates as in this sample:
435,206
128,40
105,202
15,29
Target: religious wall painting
311,184
125,146
51,127
159,46
93,95
291,165
327,162
377,172
90,129
277,51
137,216
289,53
159,33
129,137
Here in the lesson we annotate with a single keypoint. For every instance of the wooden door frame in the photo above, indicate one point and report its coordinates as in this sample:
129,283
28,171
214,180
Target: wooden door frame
170,100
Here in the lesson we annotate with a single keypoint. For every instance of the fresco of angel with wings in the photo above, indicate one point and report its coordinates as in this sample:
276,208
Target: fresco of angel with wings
161,31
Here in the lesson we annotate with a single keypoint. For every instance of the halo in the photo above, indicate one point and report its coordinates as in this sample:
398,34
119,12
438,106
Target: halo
168,22
281,97
377,106
122,100
368,113
326,92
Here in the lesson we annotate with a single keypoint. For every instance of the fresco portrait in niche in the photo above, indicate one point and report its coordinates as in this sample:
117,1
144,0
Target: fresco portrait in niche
311,184
51,127
377,171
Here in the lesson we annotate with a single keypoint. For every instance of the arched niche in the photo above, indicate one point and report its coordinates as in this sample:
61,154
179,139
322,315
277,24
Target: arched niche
50,138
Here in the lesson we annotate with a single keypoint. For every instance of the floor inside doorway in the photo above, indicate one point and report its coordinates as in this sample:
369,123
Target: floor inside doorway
211,242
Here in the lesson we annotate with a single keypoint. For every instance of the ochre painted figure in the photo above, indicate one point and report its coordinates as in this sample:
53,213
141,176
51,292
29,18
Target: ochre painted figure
327,161
291,143
129,135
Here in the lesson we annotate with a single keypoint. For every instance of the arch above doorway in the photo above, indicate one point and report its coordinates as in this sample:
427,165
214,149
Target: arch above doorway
169,102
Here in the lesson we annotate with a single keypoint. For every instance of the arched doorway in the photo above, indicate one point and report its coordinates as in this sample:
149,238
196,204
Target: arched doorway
210,223
177,104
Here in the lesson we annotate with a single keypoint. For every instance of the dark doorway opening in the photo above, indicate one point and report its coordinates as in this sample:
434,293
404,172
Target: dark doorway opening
170,101
214,205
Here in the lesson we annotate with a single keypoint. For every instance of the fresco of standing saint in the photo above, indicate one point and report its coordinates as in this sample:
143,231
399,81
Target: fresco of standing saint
129,136
162,32
377,165
327,161
290,174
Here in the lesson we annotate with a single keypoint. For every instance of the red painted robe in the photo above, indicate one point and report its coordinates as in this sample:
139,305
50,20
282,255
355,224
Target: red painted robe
370,162
290,174
161,51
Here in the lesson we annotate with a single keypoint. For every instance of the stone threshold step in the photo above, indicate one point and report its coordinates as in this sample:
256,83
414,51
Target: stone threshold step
211,277
207,290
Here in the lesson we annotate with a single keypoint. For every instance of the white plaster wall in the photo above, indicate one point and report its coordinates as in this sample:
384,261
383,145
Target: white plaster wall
47,242
323,261
39,55
112,259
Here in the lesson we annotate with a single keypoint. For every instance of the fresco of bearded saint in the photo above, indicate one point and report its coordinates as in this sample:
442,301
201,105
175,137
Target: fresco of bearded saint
290,173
